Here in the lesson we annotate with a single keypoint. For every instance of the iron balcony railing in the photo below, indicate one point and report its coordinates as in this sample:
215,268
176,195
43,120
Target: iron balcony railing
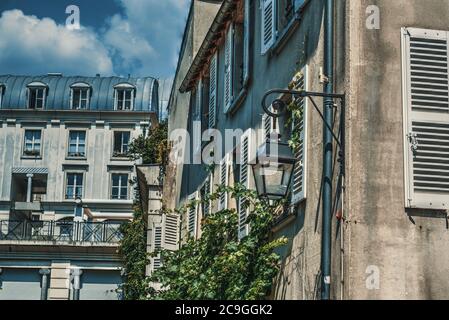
61,231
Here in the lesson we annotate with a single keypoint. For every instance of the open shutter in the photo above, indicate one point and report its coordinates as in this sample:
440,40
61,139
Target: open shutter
213,91
192,217
243,211
171,231
228,68
206,191
224,180
246,37
268,24
299,126
267,126
157,240
426,118
198,116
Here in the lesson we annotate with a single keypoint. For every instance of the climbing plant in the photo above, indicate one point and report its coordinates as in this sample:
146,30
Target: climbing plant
152,149
218,265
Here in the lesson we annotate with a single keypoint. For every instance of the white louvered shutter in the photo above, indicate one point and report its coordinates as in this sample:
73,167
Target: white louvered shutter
224,181
426,121
171,232
213,91
268,24
207,190
228,68
198,107
300,126
157,240
244,151
246,40
267,126
192,214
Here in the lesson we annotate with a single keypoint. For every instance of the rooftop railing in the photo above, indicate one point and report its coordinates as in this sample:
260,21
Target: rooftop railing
61,231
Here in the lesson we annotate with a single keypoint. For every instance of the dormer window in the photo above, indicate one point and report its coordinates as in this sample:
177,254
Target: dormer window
37,93
124,96
80,96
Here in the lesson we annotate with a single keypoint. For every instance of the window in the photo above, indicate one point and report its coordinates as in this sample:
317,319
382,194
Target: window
33,142
37,93
426,118
236,57
121,142
2,88
80,93
119,190
77,144
277,18
124,96
74,185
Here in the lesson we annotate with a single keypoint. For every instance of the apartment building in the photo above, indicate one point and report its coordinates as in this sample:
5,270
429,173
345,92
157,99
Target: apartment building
65,181
390,197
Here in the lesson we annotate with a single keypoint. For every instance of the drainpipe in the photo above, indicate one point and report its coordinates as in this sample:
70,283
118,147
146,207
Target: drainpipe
326,244
76,283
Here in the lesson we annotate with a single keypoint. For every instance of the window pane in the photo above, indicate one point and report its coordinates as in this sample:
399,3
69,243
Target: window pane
32,103
70,179
72,148
124,178
117,141
76,98
115,193
124,193
128,94
79,179
69,192
40,93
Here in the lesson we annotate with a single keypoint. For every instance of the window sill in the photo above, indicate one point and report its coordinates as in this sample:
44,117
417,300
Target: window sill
121,159
237,102
31,157
285,35
76,158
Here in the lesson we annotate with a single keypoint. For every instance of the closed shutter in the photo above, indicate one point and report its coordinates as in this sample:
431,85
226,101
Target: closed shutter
426,118
157,240
246,44
267,126
171,232
243,210
268,24
224,181
299,127
198,117
228,85
192,216
213,91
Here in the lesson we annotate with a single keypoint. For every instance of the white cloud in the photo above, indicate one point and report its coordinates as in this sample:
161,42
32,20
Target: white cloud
29,45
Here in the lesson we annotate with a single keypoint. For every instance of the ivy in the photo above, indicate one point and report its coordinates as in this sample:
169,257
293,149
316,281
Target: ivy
218,265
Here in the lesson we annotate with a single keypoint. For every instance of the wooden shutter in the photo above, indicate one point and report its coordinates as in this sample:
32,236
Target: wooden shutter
246,40
171,231
268,24
207,191
228,85
426,118
224,181
198,116
300,152
157,241
192,214
213,91
267,126
243,212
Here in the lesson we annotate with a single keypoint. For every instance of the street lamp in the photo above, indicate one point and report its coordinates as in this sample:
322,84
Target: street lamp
273,168
275,162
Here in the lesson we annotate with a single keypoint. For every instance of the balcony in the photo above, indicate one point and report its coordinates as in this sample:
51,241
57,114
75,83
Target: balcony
61,232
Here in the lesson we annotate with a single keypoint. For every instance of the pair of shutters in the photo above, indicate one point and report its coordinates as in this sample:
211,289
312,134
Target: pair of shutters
165,236
426,118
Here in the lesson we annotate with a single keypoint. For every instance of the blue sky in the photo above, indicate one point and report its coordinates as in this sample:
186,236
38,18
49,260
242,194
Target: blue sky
117,37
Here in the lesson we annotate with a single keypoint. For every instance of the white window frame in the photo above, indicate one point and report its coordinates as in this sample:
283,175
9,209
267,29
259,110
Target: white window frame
123,88
122,154
78,143
120,187
75,185
83,87
33,142
37,86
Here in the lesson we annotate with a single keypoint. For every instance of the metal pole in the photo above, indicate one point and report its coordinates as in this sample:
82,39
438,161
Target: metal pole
326,244
76,283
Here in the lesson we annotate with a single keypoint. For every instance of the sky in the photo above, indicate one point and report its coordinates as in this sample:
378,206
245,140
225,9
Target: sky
116,37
